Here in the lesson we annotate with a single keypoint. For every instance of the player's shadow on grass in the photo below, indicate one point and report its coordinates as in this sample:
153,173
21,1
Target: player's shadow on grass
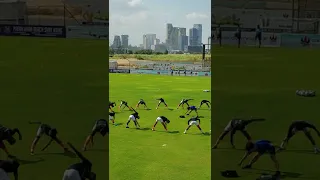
229,149
173,132
283,174
300,151
170,109
24,162
144,129
118,124
99,150
67,154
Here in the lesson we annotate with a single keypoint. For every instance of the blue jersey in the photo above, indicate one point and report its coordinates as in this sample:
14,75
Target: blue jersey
192,108
264,146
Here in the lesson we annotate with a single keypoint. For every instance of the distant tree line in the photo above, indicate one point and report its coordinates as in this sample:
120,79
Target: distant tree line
128,51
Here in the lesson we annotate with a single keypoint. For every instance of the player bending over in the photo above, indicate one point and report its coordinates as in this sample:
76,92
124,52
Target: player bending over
9,166
183,102
124,104
193,121
111,105
112,117
79,171
101,126
190,109
163,120
205,102
7,134
233,126
297,126
260,147
45,129
134,117
142,102
161,100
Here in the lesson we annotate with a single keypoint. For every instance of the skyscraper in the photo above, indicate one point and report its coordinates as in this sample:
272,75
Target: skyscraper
125,41
182,39
116,42
169,34
193,37
199,28
149,40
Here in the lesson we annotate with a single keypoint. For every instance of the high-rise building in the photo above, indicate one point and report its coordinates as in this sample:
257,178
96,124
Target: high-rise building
169,34
182,43
194,37
156,41
199,28
116,42
149,40
125,41
182,39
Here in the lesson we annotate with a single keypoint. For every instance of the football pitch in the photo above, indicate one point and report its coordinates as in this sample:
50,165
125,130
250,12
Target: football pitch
145,154
60,82
262,83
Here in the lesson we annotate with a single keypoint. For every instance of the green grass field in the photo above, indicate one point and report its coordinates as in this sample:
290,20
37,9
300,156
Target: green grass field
60,82
145,154
262,83
162,57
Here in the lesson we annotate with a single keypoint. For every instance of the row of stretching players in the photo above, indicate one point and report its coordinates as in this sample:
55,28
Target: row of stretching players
81,170
162,119
265,146
124,104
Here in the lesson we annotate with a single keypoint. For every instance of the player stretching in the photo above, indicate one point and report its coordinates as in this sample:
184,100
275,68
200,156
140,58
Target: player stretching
49,131
134,117
190,109
163,120
9,166
161,100
112,116
79,171
142,102
124,104
233,126
300,126
112,105
261,147
193,121
184,101
7,134
205,102
101,126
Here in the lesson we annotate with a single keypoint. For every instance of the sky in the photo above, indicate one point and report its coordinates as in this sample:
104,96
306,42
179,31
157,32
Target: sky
138,17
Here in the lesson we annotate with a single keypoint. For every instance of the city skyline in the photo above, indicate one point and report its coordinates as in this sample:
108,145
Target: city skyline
137,18
187,33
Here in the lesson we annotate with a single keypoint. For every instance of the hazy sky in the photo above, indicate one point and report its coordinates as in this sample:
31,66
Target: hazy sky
138,17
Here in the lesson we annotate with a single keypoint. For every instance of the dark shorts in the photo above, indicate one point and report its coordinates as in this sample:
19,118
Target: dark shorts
259,36
271,151
99,127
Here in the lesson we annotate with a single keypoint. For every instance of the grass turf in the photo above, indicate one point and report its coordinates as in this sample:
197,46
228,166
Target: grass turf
141,154
262,83
161,57
60,82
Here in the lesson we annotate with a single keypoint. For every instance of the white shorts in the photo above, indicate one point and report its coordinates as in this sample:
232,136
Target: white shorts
111,118
3,175
131,117
193,123
71,174
159,119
